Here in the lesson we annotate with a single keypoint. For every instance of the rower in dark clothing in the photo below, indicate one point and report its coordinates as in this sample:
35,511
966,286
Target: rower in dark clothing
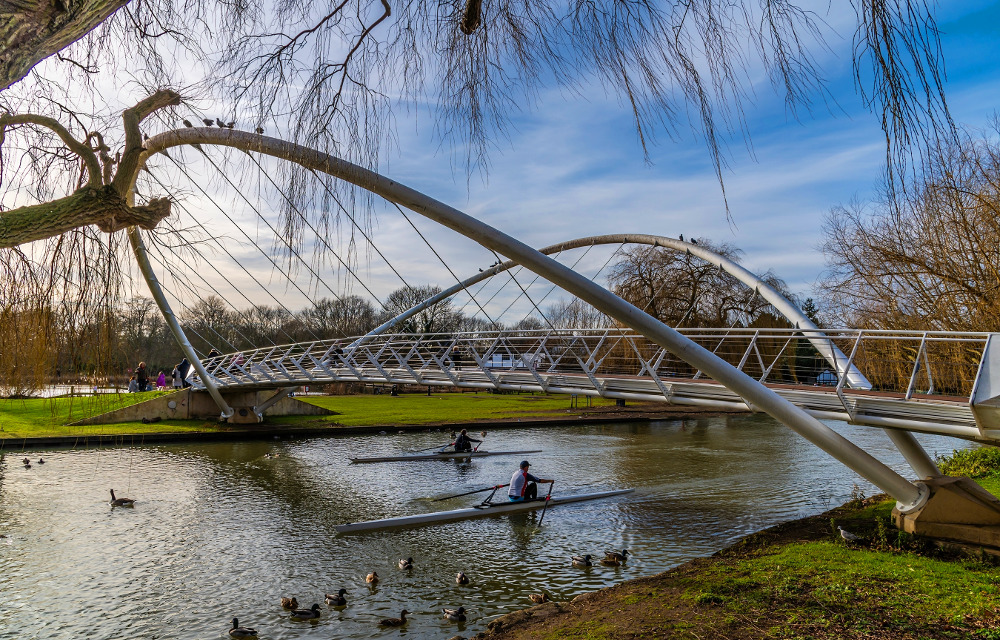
463,442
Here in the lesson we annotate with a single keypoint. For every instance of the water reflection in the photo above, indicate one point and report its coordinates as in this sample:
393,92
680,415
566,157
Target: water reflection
227,529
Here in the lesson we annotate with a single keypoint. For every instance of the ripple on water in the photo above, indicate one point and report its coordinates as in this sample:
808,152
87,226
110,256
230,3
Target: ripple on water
220,530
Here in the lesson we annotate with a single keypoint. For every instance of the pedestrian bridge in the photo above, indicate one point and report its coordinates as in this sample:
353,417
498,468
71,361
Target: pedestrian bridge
922,382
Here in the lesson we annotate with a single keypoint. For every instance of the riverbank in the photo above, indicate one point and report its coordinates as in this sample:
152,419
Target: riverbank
800,579
39,422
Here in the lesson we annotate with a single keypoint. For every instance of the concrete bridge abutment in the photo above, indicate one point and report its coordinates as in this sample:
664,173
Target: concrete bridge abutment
958,510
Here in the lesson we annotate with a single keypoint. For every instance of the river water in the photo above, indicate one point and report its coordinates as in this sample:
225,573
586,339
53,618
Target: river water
225,529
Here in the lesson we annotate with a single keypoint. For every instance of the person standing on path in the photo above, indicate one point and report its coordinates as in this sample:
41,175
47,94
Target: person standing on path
142,377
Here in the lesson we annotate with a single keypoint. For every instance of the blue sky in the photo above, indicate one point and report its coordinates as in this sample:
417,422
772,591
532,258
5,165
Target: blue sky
574,166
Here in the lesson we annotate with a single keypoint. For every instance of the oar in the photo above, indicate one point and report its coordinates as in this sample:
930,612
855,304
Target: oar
547,495
469,493
429,448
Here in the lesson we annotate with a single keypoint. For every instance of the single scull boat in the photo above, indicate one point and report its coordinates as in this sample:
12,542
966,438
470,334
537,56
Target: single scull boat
479,511
447,455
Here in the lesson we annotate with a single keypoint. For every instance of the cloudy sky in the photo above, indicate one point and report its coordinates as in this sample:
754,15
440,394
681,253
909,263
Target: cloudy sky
573,166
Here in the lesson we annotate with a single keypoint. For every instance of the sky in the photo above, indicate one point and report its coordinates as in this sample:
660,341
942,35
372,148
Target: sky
573,166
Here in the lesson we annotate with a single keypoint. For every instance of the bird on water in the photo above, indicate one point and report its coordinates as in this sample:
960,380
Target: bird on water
461,578
289,603
337,600
582,561
120,502
306,614
372,578
455,615
241,632
406,564
395,622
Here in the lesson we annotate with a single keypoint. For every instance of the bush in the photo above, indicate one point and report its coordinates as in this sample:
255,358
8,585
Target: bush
973,463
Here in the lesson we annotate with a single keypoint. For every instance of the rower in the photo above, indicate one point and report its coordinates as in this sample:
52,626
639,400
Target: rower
463,442
523,485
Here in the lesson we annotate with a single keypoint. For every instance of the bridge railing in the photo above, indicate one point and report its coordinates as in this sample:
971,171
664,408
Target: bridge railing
900,362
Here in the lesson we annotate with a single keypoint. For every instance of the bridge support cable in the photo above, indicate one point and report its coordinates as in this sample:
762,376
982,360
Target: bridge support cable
909,496
222,247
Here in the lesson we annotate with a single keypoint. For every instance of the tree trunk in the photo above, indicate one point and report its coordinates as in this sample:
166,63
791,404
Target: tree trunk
103,207
32,31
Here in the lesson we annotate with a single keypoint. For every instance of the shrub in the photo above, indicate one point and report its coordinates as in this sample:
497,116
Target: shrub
973,463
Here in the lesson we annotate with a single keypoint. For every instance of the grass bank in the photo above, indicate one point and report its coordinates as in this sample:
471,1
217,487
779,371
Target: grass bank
42,418
797,580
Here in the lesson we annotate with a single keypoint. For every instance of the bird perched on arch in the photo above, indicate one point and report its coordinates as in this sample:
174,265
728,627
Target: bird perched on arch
260,131
187,123
218,121
230,125
208,122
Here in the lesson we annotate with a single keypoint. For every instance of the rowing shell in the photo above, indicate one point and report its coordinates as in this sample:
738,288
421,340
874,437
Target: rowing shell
447,455
490,509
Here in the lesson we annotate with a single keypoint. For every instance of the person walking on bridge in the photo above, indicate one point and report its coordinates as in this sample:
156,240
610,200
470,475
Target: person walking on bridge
523,485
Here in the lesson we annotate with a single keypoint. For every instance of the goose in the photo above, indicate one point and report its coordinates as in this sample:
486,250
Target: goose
289,603
395,622
539,598
337,600
461,578
847,535
306,614
241,632
372,578
406,564
455,615
582,561
120,502
617,555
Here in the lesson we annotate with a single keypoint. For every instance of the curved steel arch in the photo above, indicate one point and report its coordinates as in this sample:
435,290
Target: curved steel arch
909,496
833,355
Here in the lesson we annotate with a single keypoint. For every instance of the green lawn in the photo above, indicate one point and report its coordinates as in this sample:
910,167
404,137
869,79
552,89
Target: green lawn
49,417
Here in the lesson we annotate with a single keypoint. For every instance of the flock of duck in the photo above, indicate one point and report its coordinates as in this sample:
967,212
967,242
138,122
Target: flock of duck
338,601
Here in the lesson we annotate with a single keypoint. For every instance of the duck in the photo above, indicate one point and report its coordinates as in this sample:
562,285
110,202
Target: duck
41,461
27,463
241,632
306,614
395,622
372,578
337,600
455,615
617,555
406,564
612,561
120,502
289,603
461,578
582,561
539,598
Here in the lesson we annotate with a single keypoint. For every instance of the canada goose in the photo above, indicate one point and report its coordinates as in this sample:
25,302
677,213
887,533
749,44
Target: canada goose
461,578
455,615
582,561
406,564
241,632
337,600
289,603
539,598
306,614
372,578
395,622
120,502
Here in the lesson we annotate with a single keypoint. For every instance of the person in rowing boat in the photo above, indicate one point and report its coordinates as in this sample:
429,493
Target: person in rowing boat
523,485
463,442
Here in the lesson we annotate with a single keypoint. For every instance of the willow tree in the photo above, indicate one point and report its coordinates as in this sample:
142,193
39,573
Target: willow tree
333,74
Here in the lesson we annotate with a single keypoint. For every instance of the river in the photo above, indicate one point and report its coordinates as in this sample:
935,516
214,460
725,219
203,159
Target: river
225,529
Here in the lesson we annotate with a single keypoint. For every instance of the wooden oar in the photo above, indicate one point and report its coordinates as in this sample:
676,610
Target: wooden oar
547,495
469,493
